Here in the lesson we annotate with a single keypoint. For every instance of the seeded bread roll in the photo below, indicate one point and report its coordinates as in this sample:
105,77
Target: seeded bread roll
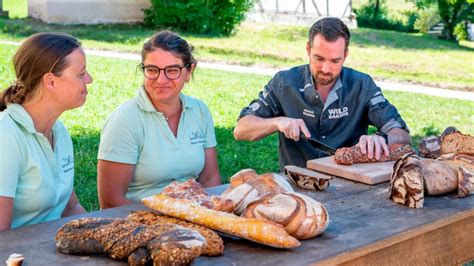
351,155
124,239
214,243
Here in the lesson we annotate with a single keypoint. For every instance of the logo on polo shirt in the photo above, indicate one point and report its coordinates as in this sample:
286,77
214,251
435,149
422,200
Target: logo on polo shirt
68,164
338,112
196,137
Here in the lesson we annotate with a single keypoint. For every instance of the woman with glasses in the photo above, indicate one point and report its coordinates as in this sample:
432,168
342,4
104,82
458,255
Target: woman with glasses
36,151
159,136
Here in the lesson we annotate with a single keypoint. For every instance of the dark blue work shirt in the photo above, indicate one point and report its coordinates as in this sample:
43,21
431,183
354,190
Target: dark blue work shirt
354,103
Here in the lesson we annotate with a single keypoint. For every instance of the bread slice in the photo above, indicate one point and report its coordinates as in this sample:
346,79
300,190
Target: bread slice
307,179
457,142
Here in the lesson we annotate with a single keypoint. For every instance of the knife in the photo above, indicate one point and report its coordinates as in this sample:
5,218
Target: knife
319,145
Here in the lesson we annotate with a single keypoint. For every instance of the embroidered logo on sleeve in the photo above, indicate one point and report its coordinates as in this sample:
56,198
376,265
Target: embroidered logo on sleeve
196,137
338,112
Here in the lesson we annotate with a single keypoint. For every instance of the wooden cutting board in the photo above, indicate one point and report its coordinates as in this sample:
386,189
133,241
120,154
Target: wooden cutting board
367,173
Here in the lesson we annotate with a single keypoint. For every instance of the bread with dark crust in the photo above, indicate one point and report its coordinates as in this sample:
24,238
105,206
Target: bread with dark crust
214,243
123,239
351,155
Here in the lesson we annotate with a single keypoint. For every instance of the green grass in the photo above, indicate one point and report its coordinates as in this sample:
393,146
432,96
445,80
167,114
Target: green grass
384,54
116,81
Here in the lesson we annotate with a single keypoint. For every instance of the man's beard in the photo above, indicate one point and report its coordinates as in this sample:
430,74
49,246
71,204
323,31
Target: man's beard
324,79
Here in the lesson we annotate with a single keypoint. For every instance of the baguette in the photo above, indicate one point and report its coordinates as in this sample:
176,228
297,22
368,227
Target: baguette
263,232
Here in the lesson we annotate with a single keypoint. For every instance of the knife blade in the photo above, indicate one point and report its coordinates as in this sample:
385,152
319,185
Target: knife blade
319,145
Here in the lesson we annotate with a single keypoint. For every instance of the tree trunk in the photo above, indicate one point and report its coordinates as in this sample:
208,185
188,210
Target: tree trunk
449,12
376,8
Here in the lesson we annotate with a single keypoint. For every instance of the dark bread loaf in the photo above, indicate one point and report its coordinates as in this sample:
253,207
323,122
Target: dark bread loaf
351,155
214,243
121,239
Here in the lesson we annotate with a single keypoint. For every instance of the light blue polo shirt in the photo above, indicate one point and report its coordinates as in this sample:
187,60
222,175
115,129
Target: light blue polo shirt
135,133
39,180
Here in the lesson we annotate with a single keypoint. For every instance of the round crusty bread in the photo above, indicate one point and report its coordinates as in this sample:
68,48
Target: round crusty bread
247,186
301,216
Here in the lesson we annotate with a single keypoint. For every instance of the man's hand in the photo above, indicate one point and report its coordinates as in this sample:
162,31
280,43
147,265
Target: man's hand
373,146
292,128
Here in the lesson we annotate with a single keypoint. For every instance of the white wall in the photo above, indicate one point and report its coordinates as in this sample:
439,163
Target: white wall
88,11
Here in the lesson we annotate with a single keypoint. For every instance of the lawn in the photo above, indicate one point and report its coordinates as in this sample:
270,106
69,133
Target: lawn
225,93
384,54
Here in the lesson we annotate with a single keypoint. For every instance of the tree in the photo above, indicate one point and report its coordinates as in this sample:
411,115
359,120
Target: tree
377,6
453,12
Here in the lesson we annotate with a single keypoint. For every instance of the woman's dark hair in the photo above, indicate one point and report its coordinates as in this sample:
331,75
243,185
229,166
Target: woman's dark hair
39,54
331,28
171,42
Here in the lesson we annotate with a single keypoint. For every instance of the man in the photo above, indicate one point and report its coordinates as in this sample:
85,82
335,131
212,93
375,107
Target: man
325,101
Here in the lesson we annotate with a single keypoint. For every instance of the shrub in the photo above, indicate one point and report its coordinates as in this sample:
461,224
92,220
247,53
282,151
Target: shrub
460,31
215,17
366,17
427,18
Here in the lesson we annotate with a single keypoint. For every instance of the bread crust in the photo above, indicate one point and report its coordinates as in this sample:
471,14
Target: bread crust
264,232
351,155
214,244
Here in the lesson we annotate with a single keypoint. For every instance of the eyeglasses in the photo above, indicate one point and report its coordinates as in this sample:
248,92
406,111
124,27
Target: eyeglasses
153,72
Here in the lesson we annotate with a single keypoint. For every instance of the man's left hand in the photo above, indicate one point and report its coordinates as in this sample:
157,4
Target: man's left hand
373,146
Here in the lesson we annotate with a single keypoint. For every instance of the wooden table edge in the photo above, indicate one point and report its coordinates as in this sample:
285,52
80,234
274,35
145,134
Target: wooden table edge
367,254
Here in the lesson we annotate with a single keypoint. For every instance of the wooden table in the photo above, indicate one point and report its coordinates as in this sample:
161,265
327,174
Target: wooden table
365,228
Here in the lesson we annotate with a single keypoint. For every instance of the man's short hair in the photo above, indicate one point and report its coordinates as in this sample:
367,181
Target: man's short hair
331,28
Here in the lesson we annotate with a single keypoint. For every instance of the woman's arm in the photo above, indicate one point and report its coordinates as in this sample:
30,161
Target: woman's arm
210,175
6,213
113,180
73,206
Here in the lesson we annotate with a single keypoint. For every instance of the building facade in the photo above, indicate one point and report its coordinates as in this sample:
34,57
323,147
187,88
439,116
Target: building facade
88,11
